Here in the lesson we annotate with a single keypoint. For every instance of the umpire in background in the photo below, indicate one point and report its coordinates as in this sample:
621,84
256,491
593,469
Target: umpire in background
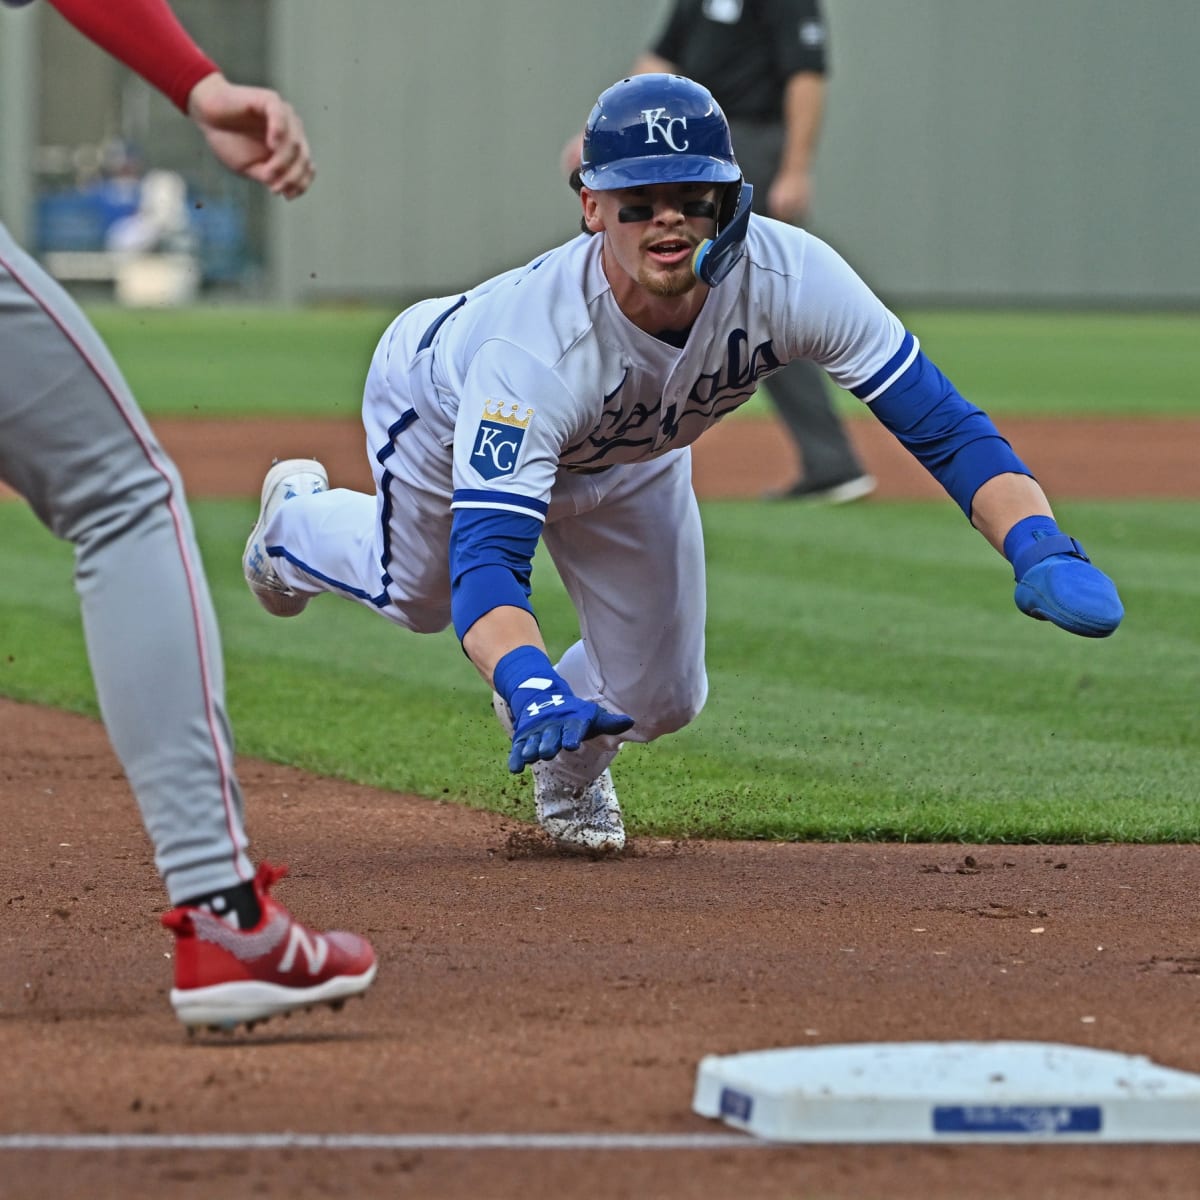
764,62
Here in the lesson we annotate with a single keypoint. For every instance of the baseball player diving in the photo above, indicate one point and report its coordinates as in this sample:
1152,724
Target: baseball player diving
559,400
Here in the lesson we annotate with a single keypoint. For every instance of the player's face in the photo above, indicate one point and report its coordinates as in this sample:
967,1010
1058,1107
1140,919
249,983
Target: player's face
651,232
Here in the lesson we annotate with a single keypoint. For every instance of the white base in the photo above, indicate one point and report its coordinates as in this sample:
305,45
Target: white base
987,1092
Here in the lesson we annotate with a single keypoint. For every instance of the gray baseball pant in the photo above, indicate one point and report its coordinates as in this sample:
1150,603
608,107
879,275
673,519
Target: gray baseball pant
74,444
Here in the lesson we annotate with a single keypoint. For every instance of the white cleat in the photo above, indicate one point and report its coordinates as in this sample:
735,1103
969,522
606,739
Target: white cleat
583,819
500,708
285,480
586,818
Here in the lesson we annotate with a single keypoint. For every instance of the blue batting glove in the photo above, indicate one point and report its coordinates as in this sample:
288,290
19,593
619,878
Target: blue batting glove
547,715
1057,582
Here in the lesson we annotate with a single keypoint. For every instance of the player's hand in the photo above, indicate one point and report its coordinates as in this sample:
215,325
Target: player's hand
547,715
1056,580
254,132
789,195
571,155
557,722
1069,591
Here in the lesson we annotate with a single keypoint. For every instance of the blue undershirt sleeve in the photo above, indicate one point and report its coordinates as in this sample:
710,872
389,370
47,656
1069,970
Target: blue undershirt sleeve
491,561
953,440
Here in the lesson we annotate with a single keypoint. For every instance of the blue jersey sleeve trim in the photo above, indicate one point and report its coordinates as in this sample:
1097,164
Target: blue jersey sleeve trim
953,440
891,371
491,563
464,498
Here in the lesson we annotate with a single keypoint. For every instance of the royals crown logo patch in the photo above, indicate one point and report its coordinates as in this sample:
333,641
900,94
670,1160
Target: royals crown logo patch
499,437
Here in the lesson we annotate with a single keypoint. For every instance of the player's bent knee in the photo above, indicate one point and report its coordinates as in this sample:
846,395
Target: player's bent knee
418,618
422,625
668,714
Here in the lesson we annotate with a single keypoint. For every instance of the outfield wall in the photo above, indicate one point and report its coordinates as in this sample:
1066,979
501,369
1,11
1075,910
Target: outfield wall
1015,152
973,151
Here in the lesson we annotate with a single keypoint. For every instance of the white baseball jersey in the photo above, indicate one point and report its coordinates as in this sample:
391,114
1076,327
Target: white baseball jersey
532,407
539,370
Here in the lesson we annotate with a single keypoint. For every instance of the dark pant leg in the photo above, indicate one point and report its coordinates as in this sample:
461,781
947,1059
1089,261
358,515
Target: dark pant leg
800,392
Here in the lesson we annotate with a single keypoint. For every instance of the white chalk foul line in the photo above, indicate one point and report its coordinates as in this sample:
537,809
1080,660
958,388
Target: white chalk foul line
378,1141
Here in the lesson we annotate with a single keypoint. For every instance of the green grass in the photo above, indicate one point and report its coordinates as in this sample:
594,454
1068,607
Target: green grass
244,361
1032,364
870,677
228,362
1064,364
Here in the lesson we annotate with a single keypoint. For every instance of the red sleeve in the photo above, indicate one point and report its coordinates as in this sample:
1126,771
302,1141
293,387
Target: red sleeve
147,37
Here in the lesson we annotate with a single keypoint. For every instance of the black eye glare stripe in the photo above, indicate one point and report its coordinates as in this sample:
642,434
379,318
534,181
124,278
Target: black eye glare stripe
634,213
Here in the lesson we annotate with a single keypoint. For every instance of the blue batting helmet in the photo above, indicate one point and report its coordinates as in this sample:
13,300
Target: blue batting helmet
656,129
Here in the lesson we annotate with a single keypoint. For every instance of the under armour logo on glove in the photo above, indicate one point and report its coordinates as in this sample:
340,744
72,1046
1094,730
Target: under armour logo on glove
536,709
549,717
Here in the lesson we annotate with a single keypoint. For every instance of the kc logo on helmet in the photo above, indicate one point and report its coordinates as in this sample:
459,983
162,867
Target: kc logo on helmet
656,125
499,437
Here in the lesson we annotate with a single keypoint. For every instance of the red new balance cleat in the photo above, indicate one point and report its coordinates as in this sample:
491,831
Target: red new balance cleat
225,976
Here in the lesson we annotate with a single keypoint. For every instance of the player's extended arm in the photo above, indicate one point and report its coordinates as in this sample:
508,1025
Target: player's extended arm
1056,580
649,63
147,37
490,558
803,104
252,131
961,447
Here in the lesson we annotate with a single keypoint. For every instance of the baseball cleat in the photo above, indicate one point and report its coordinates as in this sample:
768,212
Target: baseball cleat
226,977
843,492
500,708
285,480
583,819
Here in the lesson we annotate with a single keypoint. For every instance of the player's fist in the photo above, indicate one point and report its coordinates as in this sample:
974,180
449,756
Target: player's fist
1057,582
255,132
1068,590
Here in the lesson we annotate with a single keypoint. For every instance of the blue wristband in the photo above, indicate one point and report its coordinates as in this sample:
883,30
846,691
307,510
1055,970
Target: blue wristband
1034,538
525,669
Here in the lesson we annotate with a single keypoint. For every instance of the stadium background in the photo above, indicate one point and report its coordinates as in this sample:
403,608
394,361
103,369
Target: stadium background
973,152
1015,154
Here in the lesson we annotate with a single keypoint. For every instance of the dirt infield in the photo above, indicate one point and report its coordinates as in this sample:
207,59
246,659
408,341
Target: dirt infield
523,992
1073,458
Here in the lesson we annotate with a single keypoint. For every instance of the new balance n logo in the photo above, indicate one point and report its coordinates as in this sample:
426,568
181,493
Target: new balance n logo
313,946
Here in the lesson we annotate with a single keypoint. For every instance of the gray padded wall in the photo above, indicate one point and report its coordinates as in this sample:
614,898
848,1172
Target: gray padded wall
973,150
437,130
1015,149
